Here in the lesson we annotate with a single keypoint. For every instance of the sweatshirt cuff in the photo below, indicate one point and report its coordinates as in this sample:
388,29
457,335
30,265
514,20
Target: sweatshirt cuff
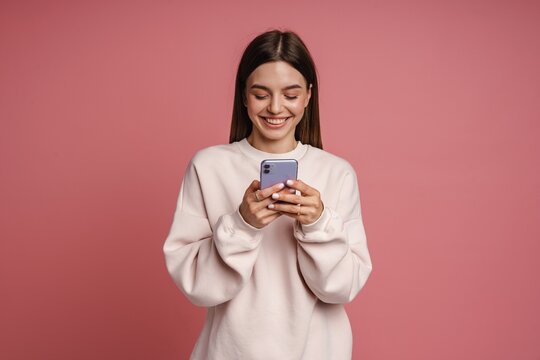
234,235
317,225
241,223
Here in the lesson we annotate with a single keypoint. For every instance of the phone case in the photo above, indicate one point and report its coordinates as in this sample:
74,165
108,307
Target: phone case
274,171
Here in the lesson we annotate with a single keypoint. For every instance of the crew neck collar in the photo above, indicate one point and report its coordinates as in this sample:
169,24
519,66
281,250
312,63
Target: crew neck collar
260,155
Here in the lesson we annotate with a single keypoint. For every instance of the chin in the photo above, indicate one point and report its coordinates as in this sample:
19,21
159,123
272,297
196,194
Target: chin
274,136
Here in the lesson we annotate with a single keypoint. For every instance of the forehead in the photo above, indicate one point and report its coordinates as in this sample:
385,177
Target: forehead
276,74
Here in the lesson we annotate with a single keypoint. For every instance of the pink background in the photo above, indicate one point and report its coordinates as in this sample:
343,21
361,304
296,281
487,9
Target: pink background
435,103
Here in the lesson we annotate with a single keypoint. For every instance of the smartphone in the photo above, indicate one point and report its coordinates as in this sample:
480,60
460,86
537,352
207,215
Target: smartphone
275,171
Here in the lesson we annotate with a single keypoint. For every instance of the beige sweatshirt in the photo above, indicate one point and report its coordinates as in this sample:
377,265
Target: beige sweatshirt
274,293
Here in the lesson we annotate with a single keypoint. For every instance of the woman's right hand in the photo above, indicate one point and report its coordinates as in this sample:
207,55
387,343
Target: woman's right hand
254,206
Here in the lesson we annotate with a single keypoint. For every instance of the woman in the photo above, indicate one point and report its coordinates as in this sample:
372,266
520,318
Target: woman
273,266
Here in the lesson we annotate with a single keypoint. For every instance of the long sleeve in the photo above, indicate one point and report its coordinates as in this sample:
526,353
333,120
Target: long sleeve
332,252
209,267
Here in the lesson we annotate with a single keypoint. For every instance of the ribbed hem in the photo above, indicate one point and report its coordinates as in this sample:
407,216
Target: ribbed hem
313,224
259,155
242,222
319,224
316,232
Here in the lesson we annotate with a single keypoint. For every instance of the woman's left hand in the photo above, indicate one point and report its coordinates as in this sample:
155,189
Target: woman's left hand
306,207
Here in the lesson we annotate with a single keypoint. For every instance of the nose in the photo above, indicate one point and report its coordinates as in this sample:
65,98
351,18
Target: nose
275,105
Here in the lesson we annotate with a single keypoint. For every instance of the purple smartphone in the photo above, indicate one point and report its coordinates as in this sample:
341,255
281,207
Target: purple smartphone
274,171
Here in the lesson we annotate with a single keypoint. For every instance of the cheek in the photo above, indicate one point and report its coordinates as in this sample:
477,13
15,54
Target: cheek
253,107
297,107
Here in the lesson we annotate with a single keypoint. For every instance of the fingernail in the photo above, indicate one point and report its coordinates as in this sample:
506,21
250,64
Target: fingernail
275,196
292,191
289,182
270,206
281,185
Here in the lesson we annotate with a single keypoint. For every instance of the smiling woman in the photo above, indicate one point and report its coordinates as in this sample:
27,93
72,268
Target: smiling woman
276,78
275,103
273,266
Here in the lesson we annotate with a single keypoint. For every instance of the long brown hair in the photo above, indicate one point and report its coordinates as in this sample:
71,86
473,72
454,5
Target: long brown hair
276,45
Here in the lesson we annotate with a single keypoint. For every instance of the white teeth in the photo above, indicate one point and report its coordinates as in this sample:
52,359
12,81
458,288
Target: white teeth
275,121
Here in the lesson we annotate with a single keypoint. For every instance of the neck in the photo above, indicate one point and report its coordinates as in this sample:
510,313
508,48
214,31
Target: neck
272,146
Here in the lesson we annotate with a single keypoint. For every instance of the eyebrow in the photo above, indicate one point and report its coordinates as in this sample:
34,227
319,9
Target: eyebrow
259,86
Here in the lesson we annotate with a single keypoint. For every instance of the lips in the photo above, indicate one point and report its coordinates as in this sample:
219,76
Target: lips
275,121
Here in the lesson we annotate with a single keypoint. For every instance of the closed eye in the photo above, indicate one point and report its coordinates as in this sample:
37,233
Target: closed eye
261,97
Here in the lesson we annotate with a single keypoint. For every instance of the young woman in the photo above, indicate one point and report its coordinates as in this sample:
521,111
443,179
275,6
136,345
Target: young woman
273,266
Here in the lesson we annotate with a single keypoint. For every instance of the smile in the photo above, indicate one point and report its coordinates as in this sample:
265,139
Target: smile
275,121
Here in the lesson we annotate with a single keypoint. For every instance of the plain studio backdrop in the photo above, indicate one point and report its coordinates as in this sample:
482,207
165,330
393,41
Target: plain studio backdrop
435,103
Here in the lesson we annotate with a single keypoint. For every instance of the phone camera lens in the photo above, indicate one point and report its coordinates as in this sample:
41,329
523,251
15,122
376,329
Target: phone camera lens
266,171
266,166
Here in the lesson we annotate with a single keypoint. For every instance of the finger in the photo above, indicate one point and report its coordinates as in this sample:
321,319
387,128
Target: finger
260,199
292,199
263,204
288,208
286,190
266,215
264,193
302,187
252,192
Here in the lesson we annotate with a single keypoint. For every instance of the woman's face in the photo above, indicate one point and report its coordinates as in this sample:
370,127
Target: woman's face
276,97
